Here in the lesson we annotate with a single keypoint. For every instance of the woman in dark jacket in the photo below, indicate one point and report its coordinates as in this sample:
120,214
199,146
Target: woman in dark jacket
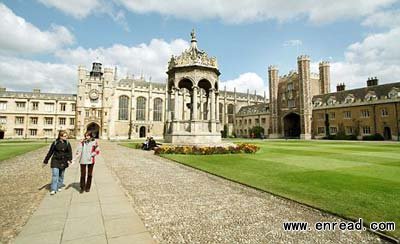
61,156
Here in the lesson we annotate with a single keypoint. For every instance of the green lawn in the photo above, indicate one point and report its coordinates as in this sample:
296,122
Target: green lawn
350,179
9,149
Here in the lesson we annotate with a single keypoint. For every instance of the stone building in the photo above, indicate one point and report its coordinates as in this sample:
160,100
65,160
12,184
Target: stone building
302,106
290,98
251,116
360,112
191,107
35,114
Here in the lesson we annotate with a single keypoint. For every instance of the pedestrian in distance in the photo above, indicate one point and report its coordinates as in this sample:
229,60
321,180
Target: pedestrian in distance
86,154
60,153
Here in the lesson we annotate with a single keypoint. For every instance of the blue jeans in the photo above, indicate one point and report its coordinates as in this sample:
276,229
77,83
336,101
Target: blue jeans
57,179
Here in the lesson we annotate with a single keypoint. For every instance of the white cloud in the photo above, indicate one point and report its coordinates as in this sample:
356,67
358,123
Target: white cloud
245,81
376,55
24,75
150,59
76,8
81,9
17,35
390,18
239,11
292,43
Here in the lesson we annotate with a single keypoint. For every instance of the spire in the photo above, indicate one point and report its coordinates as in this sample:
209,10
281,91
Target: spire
193,41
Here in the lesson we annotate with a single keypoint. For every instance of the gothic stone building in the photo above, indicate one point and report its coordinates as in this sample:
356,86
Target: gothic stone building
301,105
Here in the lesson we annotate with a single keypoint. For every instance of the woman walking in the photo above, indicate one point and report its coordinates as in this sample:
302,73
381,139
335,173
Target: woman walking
61,155
86,154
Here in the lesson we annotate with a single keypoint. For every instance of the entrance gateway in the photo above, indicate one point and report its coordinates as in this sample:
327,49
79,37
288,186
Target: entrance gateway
291,124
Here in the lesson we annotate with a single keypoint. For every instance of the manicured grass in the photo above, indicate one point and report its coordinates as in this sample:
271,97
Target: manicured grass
12,149
351,179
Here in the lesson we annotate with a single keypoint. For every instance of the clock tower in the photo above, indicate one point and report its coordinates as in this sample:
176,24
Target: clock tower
94,100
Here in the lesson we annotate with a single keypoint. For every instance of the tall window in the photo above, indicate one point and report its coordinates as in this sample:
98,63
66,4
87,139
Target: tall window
347,114
3,105
62,121
157,109
62,107
35,106
19,132
33,132
19,120
221,111
49,107
34,120
141,108
384,112
364,113
48,121
20,105
230,113
73,107
123,108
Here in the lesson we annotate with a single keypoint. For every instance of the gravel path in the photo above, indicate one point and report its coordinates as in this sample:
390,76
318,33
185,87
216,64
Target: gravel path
23,184
182,205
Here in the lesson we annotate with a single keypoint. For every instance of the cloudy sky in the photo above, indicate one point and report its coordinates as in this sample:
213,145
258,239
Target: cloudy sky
42,42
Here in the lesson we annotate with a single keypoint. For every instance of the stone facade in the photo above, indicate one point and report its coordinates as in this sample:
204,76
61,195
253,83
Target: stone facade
291,98
359,112
302,106
35,114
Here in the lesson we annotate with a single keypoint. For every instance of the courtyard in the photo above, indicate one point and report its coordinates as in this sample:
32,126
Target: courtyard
310,181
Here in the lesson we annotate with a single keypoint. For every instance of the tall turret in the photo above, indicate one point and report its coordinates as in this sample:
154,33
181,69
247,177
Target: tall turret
324,77
273,99
303,65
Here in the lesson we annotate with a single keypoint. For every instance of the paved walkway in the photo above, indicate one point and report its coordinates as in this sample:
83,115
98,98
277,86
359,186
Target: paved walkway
103,215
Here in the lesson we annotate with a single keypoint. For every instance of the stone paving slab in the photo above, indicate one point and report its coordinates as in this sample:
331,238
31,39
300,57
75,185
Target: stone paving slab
102,215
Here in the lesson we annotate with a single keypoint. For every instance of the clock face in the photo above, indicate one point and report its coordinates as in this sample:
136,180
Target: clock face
94,94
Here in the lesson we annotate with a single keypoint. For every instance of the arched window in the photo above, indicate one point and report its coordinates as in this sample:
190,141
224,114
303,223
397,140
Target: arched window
123,108
157,109
141,108
221,110
230,113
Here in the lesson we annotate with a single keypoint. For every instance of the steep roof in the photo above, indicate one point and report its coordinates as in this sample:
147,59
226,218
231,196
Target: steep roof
262,108
359,93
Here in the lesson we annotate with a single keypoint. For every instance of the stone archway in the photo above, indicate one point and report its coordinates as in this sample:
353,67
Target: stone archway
387,133
291,124
95,129
142,131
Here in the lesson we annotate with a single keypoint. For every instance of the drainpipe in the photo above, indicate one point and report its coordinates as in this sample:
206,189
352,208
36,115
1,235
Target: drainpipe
373,107
397,121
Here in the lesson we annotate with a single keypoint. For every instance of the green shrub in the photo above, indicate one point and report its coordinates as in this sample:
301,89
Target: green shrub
374,137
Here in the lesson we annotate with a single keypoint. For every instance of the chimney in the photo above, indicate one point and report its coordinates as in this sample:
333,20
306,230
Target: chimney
372,81
36,90
340,87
